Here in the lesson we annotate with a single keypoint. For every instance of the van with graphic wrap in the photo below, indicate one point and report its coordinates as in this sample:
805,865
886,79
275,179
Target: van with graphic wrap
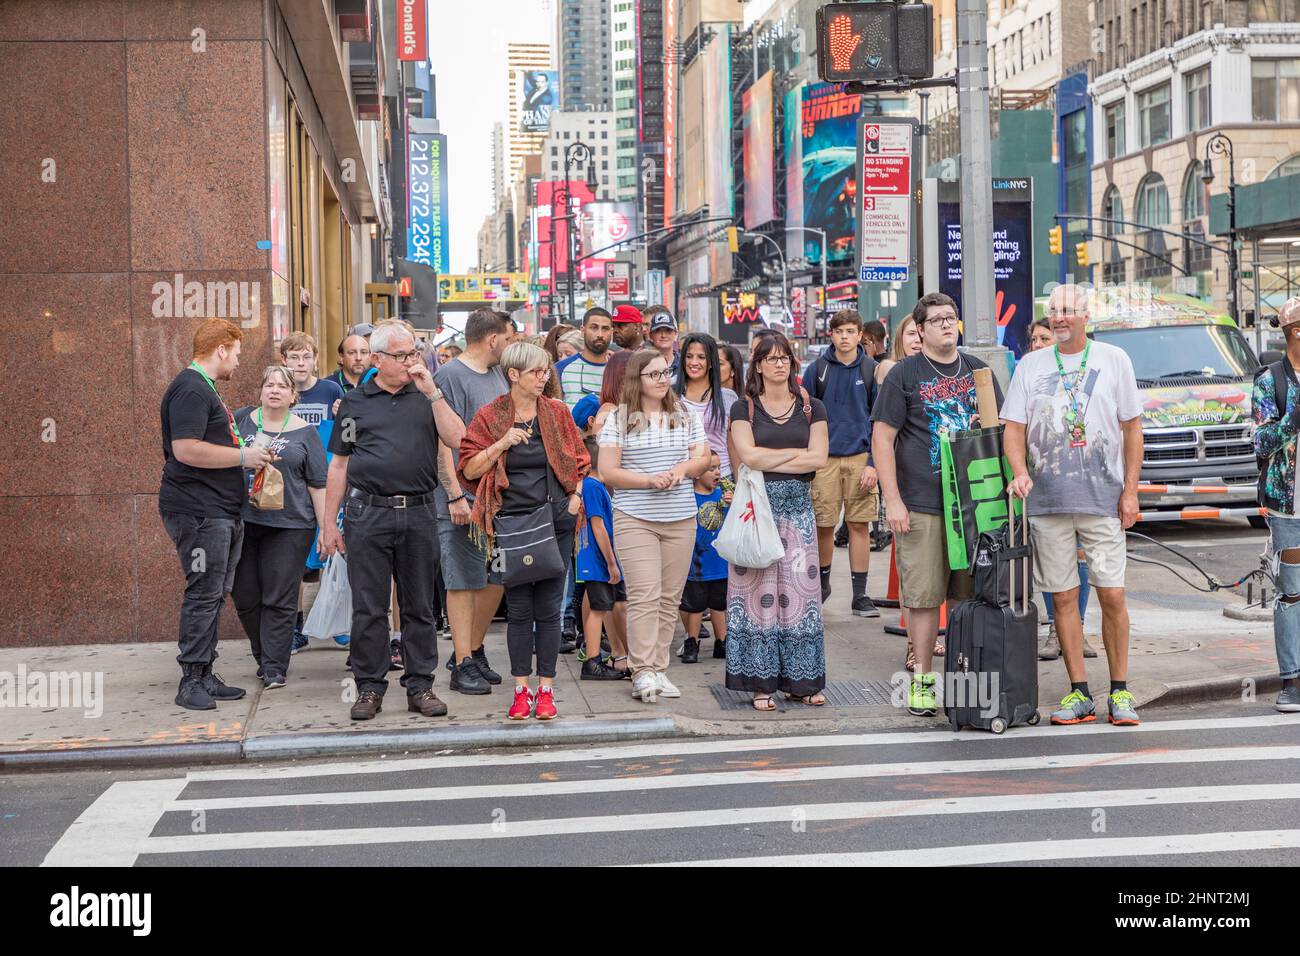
1194,371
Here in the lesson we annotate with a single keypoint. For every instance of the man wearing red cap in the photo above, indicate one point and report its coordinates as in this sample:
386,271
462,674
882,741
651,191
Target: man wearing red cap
629,327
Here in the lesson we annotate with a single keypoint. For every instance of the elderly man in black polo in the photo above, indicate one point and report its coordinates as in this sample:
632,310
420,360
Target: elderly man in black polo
385,446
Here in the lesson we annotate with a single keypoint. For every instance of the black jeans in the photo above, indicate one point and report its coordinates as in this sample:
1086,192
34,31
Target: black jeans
533,611
209,551
266,590
386,545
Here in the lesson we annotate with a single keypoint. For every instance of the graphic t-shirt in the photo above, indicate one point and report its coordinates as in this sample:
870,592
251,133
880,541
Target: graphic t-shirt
302,463
466,391
316,404
706,563
923,399
578,377
1088,478
597,504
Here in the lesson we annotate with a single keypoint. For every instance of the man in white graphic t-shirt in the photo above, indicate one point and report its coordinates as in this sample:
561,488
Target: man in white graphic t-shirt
1074,442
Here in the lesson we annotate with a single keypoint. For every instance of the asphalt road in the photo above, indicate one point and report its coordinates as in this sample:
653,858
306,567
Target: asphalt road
1210,785
1226,549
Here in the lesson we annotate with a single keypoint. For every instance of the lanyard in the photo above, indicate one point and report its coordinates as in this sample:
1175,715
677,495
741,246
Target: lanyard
1072,390
234,433
283,424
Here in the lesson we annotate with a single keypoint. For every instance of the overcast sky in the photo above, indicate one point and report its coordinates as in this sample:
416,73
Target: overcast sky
467,46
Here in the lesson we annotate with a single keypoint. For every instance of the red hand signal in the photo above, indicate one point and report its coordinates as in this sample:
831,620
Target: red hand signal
843,41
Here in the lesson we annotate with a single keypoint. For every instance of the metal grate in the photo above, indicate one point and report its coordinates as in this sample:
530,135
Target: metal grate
855,693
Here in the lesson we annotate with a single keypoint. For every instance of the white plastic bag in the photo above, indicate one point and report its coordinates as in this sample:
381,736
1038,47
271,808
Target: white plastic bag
749,538
331,615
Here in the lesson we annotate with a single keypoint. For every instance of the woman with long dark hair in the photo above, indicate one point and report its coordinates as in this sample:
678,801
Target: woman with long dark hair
699,386
775,637
731,368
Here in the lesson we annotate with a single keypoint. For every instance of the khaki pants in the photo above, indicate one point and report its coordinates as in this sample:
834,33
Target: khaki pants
655,557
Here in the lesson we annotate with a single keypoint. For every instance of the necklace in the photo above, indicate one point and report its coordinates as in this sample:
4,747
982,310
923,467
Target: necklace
528,426
956,374
784,417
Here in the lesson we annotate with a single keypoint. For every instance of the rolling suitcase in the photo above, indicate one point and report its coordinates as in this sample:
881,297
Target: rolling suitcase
991,665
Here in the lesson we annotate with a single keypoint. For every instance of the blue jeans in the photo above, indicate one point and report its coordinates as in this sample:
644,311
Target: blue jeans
1285,534
1084,591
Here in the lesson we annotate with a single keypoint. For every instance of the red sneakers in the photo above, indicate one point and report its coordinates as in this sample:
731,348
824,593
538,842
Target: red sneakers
522,708
545,704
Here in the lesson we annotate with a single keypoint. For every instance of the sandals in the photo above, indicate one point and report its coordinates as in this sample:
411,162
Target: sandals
811,699
625,674
910,662
764,702
938,648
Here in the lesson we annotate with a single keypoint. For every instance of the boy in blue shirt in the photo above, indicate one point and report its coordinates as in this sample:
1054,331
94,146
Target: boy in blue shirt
706,584
597,566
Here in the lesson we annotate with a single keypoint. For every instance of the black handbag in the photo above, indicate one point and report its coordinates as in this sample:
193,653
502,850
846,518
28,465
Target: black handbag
526,549
1001,567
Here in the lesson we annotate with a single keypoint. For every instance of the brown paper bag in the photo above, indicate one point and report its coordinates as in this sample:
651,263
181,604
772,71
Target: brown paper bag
268,489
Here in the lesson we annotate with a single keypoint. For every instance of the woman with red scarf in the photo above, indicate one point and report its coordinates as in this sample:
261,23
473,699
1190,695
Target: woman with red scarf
521,451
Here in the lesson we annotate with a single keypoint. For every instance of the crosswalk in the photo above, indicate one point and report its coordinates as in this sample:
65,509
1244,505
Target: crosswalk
1201,790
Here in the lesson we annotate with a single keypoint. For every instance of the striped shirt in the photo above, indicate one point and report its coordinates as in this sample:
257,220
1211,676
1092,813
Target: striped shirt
578,377
650,450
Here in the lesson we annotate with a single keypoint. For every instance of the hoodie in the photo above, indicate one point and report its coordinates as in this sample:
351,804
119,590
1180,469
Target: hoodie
848,392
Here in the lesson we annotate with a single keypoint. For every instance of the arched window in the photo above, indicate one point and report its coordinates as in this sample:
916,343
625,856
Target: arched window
1193,192
1288,167
1114,268
1152,201
1112,207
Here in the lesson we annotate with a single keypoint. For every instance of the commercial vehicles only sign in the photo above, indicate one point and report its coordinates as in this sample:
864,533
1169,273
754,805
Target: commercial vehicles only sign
885,201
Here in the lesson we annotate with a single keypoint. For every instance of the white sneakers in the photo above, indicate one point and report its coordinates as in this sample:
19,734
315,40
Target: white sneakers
645,687
649,686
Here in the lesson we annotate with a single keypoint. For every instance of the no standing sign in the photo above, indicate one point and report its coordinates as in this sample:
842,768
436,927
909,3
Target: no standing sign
885,171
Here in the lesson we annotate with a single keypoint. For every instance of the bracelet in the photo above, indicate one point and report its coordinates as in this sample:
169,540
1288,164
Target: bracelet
460,497
241,456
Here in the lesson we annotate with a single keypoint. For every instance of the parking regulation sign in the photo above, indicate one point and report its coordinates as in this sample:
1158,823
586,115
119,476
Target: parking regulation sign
885,201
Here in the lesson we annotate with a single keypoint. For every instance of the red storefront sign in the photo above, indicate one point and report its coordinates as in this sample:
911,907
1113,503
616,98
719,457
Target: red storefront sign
412,31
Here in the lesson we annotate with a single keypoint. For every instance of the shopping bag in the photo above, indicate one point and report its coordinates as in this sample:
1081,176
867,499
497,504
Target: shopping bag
331,615
749,538
267,493
975,475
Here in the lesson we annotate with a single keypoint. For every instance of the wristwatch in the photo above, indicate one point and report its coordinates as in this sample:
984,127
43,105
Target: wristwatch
436,397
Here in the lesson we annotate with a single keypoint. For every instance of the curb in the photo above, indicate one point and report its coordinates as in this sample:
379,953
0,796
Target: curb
1227,688
1234,613
343,743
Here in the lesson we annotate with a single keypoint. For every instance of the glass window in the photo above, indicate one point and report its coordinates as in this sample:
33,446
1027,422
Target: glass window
1275,90
1112,207
1288,167
1153,115
1197,87
1193,192
1115,138
1152,201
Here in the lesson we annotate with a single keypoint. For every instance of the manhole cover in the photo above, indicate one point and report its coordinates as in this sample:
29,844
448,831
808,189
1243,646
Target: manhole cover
875,693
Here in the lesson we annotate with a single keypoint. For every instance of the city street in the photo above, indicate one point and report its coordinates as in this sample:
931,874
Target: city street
1199,786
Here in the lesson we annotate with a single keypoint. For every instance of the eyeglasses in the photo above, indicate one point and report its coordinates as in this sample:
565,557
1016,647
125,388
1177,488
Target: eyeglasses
402,357
660,376
777,360
542,373
943,322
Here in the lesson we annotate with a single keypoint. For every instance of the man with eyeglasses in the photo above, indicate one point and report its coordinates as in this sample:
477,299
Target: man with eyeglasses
385,447
1074,442
923,396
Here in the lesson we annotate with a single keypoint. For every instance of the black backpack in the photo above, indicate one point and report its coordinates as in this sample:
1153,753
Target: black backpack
822,365
1282,374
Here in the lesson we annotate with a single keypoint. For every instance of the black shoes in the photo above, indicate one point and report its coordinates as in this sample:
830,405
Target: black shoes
704,633
826,589
396,661
466,678
568,638
719,650
595,668
863,607
690,651
190,693
367,705
481,661
217,688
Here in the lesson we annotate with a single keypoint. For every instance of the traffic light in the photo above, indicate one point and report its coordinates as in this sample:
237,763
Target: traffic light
733,239
1054,240
875,42
1081,254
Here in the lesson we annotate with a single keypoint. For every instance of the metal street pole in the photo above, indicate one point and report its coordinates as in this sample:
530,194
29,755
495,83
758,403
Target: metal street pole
1222,145
785,286
977,288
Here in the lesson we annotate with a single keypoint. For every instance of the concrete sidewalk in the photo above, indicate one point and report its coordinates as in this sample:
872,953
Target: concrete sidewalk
1182,649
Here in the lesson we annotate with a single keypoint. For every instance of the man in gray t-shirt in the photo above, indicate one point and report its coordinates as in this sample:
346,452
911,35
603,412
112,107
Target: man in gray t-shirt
468,382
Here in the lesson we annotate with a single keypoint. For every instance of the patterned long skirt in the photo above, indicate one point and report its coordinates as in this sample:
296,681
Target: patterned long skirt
775,638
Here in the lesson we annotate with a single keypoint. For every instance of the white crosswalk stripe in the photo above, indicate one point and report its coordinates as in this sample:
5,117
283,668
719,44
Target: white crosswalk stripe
738,802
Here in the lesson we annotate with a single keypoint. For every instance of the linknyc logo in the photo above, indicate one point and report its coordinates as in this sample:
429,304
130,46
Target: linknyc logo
76,909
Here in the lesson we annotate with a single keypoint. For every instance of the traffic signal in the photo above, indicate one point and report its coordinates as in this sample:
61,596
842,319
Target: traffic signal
1081,253
875,42
733,239
1054,240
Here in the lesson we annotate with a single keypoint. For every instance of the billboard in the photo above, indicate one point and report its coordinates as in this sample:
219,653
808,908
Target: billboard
483,287
537,91
427,238
603,224
412,32
1013,260
670,113
553,247
719,189
821,184
757,125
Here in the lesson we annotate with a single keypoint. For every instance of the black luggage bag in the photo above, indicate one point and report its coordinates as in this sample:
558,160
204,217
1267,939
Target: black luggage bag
991,664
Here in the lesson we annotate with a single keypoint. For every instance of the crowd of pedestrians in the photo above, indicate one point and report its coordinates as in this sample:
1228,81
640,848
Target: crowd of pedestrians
578,482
